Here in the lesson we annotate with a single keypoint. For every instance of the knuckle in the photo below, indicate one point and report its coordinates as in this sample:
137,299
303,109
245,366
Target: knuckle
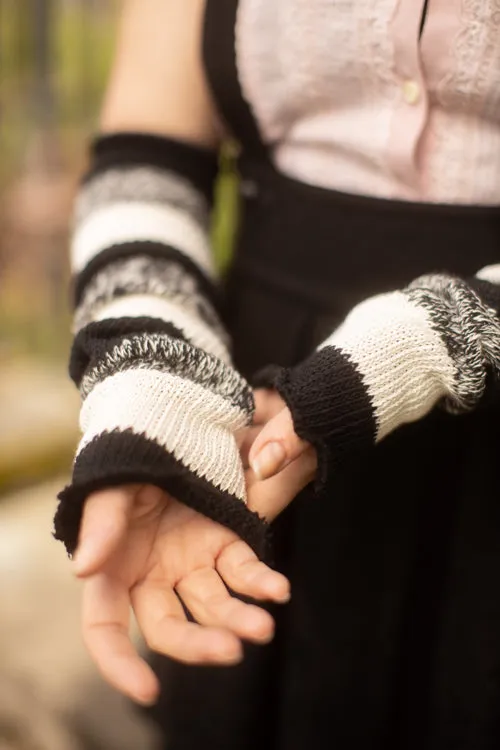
216,602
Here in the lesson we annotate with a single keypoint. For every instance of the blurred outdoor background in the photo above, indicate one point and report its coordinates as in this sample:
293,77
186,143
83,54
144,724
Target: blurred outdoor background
54,58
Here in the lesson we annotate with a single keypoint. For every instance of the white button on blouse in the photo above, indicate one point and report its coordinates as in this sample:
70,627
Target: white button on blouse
411,92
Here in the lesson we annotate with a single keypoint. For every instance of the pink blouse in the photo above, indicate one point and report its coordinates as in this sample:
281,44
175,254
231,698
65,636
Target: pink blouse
349,98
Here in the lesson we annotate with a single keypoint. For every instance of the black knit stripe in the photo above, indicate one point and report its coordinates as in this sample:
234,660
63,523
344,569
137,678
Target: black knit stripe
142,275
153,250
119,458
330,406
469,329
144,184
84,344
197,165
160,352
487,291
340,409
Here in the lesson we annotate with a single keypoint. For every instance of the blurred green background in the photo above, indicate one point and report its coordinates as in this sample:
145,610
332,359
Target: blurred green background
54,58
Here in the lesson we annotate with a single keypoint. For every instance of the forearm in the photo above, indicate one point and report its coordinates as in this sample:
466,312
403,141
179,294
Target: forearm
393,359
161,401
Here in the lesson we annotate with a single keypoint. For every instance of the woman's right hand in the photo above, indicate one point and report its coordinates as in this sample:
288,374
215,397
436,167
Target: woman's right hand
272,488
143,549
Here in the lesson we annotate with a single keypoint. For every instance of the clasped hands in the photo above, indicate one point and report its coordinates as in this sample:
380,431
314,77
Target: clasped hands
142,550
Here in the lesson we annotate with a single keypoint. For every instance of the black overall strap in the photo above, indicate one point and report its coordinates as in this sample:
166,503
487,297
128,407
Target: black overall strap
221,68
424,18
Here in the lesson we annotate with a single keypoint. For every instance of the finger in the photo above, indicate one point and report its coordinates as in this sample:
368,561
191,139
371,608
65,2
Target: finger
104,523
206,597
276,446
244,573
245,439
106,608
164,626
268,403
270,496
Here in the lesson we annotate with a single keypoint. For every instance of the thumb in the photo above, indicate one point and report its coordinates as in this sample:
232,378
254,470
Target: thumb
276,446
104,525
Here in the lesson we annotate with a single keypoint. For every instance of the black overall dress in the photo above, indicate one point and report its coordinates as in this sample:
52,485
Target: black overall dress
392,636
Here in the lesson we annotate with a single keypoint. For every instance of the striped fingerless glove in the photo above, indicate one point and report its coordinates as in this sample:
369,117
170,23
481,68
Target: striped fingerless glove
392,360
161,400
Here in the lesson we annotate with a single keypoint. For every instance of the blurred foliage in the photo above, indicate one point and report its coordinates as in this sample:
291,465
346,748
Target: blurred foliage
53,64
225,216
54,61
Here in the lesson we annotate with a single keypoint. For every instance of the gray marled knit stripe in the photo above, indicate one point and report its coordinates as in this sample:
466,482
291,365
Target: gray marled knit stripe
470,330
160,352
144,184
146,275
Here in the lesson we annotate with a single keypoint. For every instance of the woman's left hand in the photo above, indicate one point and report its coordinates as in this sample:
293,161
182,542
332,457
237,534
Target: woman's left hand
278,463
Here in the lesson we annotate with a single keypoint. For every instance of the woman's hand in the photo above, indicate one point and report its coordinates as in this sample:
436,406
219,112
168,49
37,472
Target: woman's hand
278,463
141,548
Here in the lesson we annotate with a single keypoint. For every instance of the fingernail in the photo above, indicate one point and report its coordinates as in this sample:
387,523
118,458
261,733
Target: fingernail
269,460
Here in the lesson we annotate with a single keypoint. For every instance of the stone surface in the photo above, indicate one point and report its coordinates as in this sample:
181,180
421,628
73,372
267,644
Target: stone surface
53,690
38,420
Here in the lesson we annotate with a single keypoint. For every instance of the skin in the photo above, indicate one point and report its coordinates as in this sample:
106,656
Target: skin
141,550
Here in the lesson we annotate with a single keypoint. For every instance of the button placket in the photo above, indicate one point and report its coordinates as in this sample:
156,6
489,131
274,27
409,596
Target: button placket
411,107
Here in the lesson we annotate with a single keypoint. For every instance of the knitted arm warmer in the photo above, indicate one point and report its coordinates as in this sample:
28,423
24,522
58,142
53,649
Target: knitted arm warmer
392,360
161,401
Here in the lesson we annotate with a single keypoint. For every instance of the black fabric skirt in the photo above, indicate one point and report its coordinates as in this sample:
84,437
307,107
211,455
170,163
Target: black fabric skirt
392,636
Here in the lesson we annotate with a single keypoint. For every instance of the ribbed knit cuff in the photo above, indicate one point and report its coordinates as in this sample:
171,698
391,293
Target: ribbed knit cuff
330,407
143,422
119,458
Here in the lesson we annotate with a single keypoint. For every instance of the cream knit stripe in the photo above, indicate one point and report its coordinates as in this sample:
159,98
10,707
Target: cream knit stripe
490,273
195,330
121,223
189,421
403,361
149,184
163,352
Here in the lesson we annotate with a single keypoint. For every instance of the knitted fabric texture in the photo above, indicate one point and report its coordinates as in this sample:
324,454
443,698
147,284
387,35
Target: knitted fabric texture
393,359
161,400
